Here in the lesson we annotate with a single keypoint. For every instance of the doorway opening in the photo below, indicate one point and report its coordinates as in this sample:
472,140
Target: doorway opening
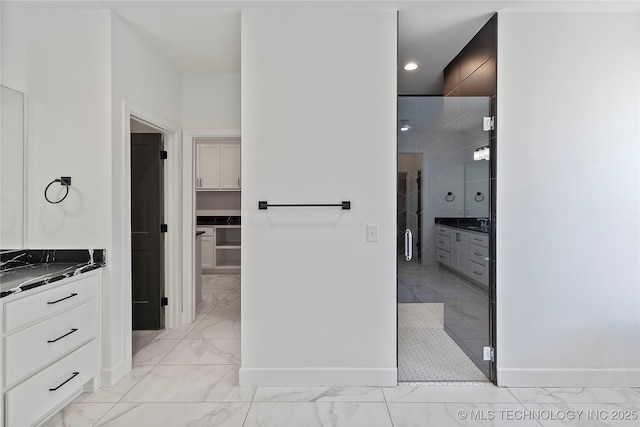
148,229
446,222
216,199
147,233
443,301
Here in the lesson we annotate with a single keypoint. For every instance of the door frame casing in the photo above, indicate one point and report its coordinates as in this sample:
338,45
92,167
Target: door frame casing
189,137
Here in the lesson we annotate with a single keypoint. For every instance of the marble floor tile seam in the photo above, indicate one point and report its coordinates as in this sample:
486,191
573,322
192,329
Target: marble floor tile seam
179,414
494,395
408,414
244,422
212,401
177,341
99,420
308,414
576,395
60,418
318,401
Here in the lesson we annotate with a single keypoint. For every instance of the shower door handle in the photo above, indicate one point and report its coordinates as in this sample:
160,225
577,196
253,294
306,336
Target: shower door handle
408,245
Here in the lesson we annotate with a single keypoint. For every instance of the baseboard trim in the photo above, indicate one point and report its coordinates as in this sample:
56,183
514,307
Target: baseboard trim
310,377
514,377
110,376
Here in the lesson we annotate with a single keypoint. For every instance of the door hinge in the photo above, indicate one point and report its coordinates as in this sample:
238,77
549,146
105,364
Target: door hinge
487,353
164,228
488,123
164,301
163,155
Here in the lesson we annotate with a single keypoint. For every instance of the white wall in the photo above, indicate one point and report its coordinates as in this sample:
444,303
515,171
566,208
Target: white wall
12,169
211,100
69,132
568,255
144,81
69,106
318,126
13,51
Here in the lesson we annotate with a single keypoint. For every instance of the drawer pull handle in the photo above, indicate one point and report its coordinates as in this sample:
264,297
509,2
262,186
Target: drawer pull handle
75,374
479,274
65,335
477,240
440,241
62,299
441,256
477,254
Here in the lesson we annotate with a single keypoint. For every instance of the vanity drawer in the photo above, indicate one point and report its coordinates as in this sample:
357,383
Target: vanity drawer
208,231
479,254
26,403
479,273
479,239
25,311
443,256
443,242
443,231
32,348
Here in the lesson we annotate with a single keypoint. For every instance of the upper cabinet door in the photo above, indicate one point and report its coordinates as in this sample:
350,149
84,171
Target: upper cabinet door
230,166
209,166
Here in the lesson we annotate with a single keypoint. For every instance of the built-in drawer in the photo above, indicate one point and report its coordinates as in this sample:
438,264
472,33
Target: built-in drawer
26,403
443,242
479,239
479,272
32,348
443,231
443,256
479,254
25,311
208,231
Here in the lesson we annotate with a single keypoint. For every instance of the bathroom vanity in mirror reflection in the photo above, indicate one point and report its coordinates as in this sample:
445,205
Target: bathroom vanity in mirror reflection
12,167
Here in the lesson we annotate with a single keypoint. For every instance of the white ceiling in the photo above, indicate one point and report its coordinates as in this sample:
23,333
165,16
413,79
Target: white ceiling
204,35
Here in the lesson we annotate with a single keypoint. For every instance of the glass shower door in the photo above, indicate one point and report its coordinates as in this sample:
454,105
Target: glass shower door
444,302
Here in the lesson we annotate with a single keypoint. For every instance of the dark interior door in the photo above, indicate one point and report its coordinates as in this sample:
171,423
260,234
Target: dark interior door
146,237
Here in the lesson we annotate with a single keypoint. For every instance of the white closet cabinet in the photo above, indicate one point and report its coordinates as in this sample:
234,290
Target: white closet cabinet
218,166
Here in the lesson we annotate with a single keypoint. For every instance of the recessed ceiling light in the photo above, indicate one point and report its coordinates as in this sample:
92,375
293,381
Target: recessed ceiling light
410,66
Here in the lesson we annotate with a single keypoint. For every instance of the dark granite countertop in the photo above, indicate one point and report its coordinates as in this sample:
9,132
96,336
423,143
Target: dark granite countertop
469,224
21,270
218,220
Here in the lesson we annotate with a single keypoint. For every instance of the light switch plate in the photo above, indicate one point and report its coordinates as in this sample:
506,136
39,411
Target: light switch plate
372,232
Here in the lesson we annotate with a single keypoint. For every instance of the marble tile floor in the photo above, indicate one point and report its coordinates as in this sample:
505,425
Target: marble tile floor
196,384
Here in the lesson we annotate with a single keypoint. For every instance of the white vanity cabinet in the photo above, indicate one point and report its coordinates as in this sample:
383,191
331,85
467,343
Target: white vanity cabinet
50,347
460,250
220,247
464,252
226,255
218,165
479,257
443,245
206,254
